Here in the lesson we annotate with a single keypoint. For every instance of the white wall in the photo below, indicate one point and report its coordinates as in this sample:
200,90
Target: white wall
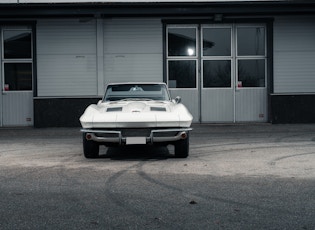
66,57
133,50
294,54
78,57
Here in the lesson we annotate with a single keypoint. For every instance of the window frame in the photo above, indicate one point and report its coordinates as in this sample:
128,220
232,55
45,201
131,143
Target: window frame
183,58
217,57
250,57
222,88
16,60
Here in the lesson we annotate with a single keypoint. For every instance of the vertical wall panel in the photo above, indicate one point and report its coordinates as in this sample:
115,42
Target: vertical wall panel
66,57
17,109
251,105
133,50
294,54
217,105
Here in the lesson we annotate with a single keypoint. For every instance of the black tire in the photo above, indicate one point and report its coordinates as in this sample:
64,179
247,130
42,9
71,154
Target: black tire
182,148
90,148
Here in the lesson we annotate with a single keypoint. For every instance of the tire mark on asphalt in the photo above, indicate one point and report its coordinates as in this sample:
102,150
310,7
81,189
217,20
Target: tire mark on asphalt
150,179
274,162
110,189
116,198
223,151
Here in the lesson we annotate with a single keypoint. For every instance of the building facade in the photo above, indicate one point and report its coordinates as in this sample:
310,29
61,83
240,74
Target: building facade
230,61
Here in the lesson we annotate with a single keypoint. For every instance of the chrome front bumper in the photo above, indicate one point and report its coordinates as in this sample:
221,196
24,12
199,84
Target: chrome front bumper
118,138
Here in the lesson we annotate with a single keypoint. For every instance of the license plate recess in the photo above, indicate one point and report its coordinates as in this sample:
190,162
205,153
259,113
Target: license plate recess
135,141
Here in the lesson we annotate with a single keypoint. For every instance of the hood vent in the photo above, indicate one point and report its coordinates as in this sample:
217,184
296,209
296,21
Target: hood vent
114,109
160,109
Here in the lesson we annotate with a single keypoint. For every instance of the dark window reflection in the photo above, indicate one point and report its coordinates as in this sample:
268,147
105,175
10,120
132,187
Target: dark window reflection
216,42
182,74
17,44
18,76
251,73
251,41
182,42
217,74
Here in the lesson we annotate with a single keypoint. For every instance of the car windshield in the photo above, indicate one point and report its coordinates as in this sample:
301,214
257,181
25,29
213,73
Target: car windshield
136,92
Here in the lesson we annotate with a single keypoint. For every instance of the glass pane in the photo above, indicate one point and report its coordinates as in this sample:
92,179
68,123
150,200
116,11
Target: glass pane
251,41
18,76
182,42
17,44
217,74
182,74
216,42
136,91
251,73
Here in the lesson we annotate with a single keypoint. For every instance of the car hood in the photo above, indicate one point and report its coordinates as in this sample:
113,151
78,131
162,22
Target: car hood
133,113
137,106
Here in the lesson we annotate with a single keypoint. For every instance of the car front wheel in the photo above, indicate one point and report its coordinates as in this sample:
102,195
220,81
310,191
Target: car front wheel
182,148
90,148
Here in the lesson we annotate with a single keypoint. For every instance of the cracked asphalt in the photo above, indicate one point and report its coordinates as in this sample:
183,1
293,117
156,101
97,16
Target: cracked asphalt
249,176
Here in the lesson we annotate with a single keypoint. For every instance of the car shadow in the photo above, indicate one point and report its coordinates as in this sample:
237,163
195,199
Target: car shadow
136,152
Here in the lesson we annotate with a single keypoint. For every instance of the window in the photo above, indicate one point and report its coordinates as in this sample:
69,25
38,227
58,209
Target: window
216,42
217,74
17,44
216,55
182,56
17,59
251,56
250,41
226,55
181,42
18,76
182,74
251,73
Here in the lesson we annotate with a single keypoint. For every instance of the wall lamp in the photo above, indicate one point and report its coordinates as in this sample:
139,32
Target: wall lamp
218,17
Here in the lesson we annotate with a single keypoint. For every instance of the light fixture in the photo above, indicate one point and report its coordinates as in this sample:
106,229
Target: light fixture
218,17
190,51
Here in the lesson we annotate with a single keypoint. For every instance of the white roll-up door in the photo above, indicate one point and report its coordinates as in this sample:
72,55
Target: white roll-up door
66,57
133,50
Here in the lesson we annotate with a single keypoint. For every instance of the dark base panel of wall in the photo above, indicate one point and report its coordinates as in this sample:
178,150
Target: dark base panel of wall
289,109
65,112
60,112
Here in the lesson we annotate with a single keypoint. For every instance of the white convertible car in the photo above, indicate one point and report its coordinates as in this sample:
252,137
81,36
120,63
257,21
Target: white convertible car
136,114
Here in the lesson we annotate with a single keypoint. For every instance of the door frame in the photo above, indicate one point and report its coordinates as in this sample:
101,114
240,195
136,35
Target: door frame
268,25
17,26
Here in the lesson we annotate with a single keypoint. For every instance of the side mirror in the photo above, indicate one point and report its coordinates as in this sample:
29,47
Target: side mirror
99,102
178,99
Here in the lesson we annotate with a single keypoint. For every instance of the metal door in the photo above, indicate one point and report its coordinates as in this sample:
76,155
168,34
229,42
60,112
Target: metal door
250,74
233,73
16,77
217,91
182,53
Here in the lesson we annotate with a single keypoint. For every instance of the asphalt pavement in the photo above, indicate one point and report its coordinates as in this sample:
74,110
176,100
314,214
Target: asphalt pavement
246,176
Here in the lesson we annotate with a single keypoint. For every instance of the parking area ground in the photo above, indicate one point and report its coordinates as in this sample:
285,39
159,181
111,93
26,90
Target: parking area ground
249,176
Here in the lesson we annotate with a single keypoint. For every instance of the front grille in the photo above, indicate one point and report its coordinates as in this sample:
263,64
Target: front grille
136,132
